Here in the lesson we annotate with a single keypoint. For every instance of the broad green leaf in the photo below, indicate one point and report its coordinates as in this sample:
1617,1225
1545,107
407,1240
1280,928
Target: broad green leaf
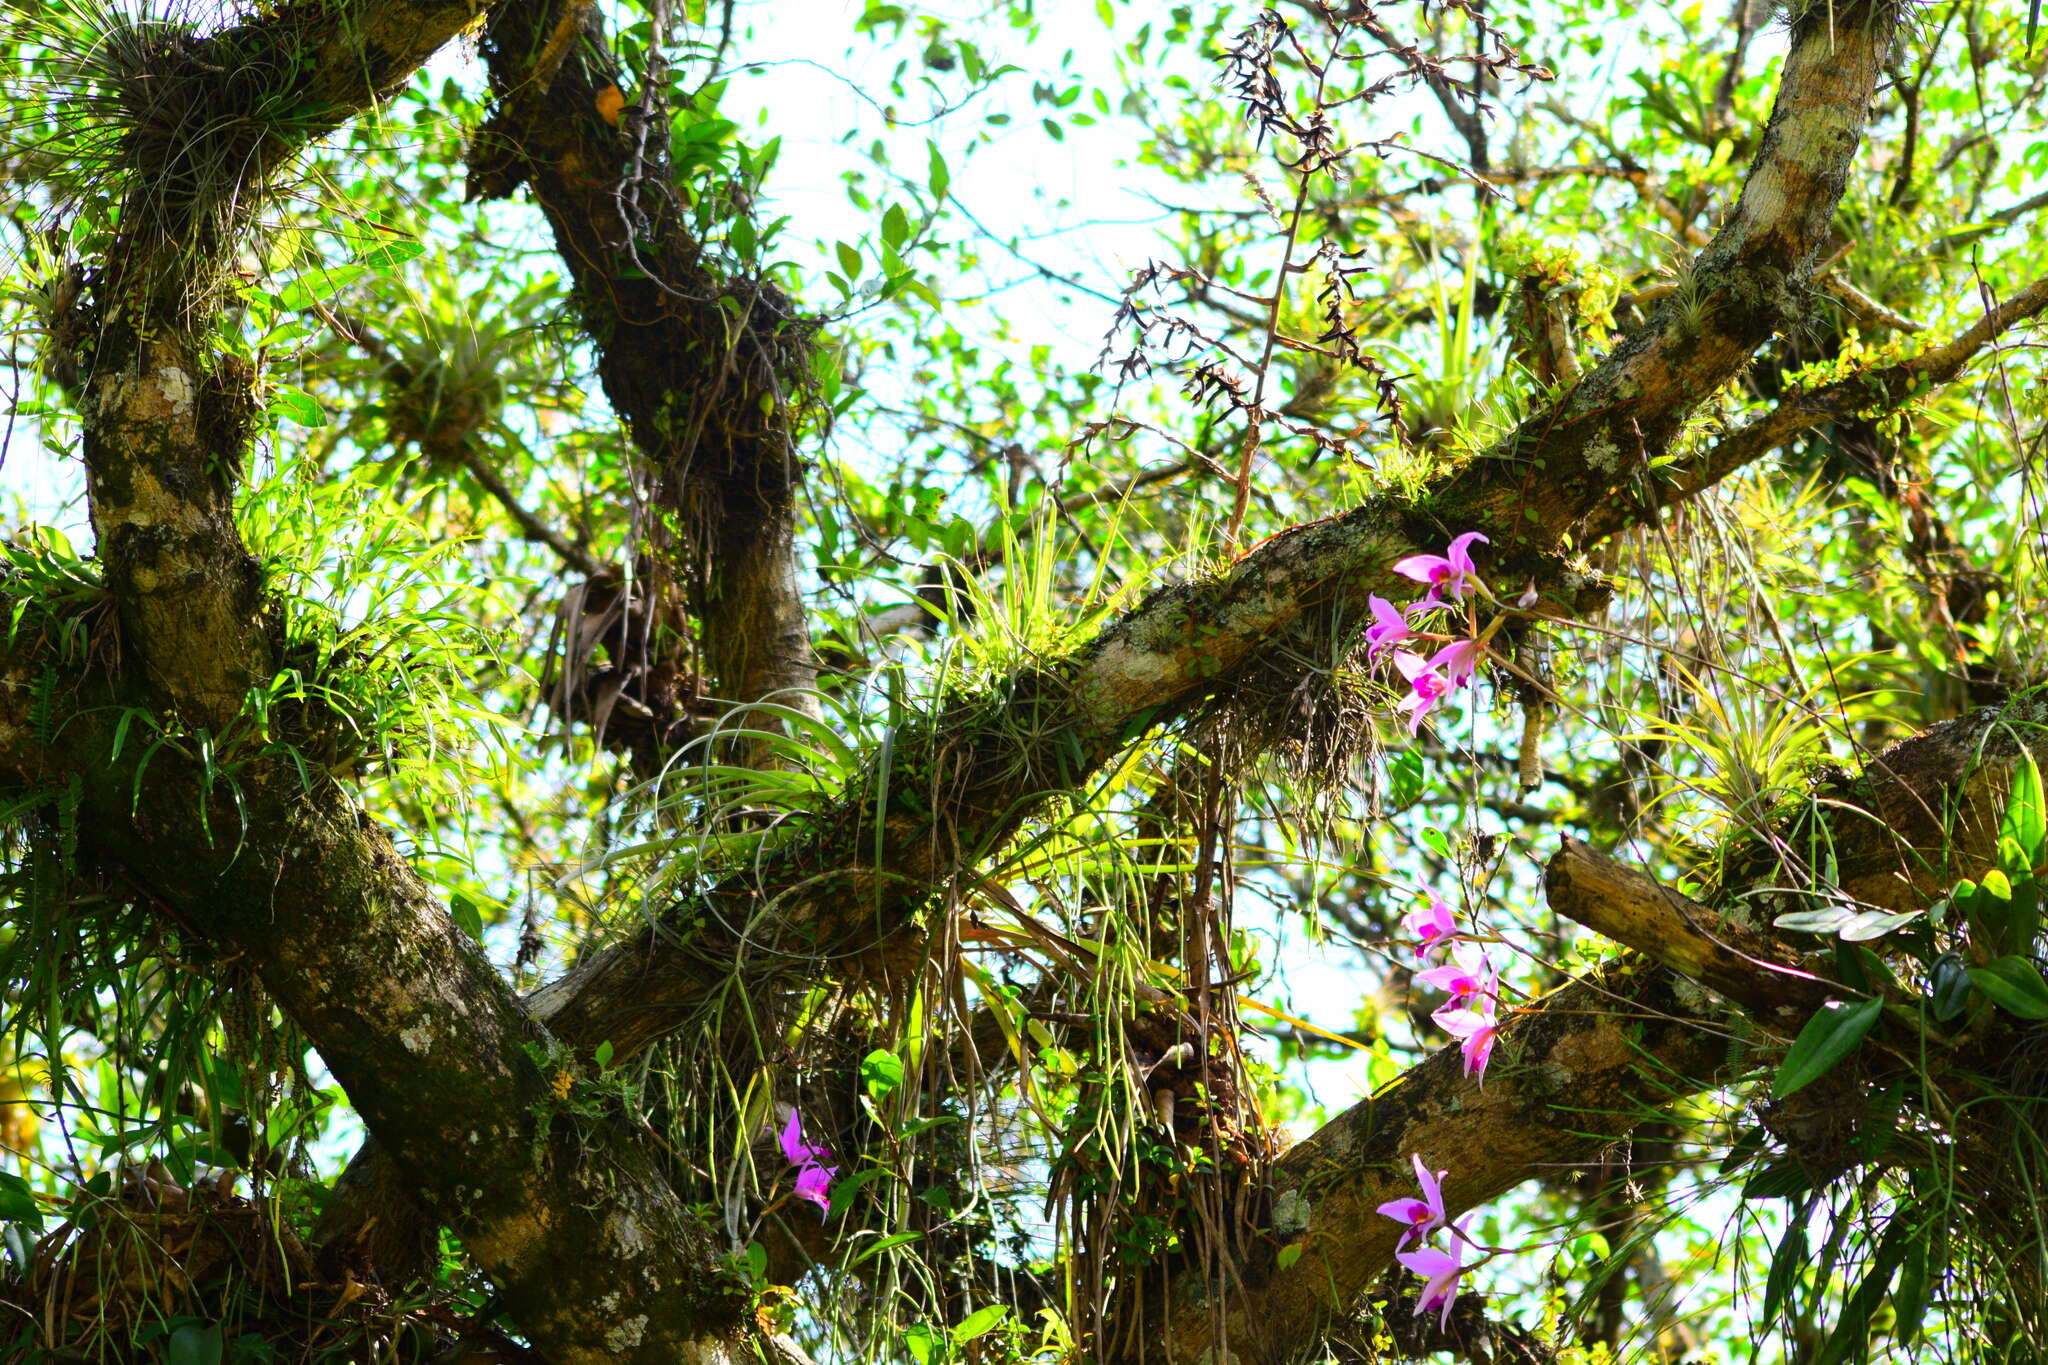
2026,814
296,405
2013,984
318,286
1832,1034
1828,919
17,1201
979,1322
1870,924
467,917
923,1343
882,1244
1948,987
1435,840
881,1071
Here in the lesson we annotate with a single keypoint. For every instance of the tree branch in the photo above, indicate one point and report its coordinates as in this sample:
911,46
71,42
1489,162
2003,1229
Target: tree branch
1582,1066
710,374
1886,387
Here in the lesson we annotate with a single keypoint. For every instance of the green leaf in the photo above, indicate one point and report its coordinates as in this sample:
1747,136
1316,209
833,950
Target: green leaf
1786,1263
1996,884
296,405
1832,1034
882,1244
1851,1336
979,1322
194,1346
937,177
1405,778
1909,1299
467,917
2014,984
881,1071
1948,987
18,1202
1436,842
318,286
603,1054
1828,919
922,1343
1870,924
849,260
895,226
1289,1254
2026,812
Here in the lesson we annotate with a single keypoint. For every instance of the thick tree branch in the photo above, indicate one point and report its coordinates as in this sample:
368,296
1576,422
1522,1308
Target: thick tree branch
709,373
1677,932
561,1207
556,1197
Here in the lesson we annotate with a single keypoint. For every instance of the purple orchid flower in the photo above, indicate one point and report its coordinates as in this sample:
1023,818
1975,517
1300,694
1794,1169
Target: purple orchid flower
1440,1271
1469,975
813,1178
1431,925
1476,1029
1449,573
1389,628
1422,1216
1427,687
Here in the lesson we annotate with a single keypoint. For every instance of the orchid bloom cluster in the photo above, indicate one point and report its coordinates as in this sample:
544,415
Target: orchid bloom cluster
813,1176
1470,1015
1448,576
1421,1218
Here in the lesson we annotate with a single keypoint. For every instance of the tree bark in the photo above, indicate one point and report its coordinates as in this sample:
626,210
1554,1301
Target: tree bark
552,1191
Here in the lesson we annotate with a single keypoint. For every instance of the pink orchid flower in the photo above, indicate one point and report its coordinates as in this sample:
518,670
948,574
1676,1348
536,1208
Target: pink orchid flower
1440,1271
1389,628
1449,573
1422,1216
1431,925
1458,661
1476,1029
1469,975
815,1184
1427,687
795,1149
813,1178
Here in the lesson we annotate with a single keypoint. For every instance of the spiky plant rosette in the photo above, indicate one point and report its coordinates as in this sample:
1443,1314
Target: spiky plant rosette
163,124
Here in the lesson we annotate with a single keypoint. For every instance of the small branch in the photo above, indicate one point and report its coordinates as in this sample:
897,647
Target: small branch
531,526
1886,388
1864,308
